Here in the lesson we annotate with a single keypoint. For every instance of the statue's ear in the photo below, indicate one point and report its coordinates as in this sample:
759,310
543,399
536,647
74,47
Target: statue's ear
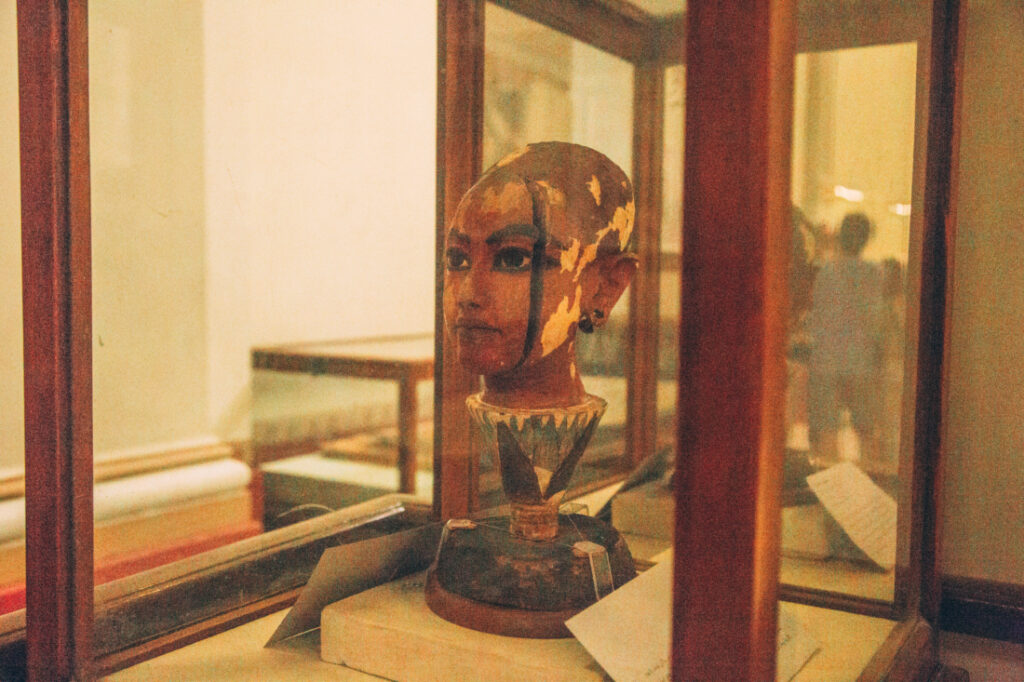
615,272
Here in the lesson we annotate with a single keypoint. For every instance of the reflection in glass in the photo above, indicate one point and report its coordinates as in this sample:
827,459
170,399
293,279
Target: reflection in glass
12,402
542,85
853,144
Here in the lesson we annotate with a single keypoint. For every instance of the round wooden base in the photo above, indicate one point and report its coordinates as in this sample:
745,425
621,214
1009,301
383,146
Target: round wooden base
497,620
487,579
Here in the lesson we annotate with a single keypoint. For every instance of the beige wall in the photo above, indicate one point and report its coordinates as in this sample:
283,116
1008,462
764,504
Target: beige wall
567,90
12,405
983,494
320,167
148,224
602,103
875,138
259,175
854,126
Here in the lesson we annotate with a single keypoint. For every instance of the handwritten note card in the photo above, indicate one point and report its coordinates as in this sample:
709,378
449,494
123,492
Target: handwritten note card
629,632
861,509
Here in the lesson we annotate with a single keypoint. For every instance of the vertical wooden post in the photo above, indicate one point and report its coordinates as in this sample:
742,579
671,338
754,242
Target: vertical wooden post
940,185
739,59
642,349
460,86
56,262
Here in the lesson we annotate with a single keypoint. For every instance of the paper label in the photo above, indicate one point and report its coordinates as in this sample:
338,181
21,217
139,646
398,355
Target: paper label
629,632
861,509
348,569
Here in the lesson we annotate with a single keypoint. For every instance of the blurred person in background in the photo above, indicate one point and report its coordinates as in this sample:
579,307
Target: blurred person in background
844,369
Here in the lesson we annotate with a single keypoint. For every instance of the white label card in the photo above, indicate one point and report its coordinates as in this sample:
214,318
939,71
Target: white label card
629,632
861,509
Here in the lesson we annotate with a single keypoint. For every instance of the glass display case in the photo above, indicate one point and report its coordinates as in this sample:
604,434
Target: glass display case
858,110
335,424
771,372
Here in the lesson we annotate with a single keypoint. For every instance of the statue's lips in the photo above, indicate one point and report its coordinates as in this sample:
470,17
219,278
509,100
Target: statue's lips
475,331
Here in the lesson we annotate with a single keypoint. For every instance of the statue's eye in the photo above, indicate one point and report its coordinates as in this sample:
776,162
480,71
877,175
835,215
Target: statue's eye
456,259
512,259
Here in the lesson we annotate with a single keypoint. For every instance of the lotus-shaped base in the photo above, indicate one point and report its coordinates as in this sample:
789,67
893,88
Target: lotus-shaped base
527,582
538,450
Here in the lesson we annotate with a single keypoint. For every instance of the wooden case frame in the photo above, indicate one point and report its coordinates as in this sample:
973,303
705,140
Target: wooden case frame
736,582
53,72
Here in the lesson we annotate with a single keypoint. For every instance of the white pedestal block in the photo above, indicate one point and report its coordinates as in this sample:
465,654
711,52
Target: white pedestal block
389,631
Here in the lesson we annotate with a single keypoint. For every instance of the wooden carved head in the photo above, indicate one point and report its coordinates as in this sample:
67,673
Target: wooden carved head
538,248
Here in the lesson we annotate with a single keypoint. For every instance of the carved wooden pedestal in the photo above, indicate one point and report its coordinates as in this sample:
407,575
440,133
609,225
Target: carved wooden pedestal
523,575
487,579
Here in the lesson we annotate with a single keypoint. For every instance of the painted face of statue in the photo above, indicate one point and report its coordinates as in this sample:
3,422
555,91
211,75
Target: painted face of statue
539,242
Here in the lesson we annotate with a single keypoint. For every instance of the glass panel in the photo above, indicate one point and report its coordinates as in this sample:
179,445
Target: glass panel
671,257
542,85
12,397
643,510
852,175
857,186
262,179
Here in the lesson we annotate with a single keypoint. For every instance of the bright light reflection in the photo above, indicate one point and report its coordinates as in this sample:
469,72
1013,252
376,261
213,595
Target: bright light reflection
854,195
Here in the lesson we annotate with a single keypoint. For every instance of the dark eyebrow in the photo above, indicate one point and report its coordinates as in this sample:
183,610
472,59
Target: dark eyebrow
457,235
519,230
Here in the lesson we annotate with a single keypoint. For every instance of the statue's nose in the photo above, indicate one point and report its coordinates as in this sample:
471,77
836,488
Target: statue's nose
475,288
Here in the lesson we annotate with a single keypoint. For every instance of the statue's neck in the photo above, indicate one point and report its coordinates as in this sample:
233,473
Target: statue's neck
551,381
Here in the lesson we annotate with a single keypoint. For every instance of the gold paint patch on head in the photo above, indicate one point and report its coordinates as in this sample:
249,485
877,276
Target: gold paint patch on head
556,197
556,329
588,256
495,201
570,256
622,222
595,188
555,499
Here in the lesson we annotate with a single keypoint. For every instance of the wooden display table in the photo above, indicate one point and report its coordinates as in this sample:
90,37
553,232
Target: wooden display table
406,360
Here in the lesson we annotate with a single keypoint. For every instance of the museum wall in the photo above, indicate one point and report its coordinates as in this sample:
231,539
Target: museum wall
320,180
874,139
12,405
257,177
148,224
984,439
602,103
854,127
